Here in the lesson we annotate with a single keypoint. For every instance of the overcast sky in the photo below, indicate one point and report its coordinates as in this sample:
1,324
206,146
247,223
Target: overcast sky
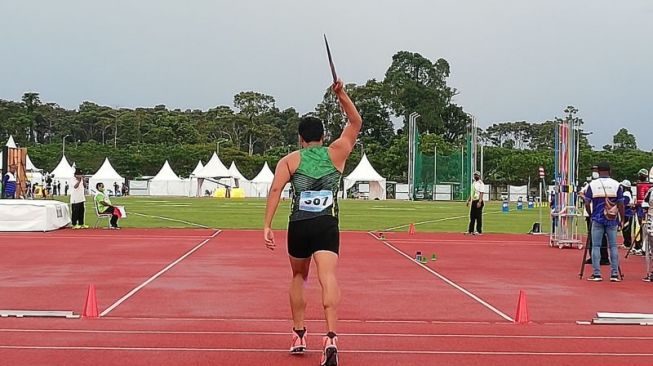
510,59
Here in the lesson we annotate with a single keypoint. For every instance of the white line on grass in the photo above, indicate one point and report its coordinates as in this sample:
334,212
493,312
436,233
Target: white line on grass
158,274
435,220
370,351
448,281
374,335
170,219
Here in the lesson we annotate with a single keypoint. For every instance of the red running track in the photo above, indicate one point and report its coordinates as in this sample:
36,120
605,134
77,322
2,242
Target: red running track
226,302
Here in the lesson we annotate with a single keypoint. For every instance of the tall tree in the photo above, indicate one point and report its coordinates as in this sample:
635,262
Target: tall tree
32,101
624,140
252,106
415,84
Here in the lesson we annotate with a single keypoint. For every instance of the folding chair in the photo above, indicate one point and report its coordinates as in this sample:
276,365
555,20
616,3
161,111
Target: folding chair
101,216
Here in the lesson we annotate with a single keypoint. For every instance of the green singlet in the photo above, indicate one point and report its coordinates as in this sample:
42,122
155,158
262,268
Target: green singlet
315,185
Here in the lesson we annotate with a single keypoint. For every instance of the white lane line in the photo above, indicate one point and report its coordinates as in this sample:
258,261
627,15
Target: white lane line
435,220
158,274
277,350
170,219
379,335
448,281
268,320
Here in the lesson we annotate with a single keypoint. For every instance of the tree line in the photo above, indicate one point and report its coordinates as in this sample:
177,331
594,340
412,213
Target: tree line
253,130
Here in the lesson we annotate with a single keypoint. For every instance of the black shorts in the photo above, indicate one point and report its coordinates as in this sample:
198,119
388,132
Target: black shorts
306,237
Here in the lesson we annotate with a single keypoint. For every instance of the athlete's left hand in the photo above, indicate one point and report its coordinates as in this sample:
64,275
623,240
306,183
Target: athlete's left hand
268,236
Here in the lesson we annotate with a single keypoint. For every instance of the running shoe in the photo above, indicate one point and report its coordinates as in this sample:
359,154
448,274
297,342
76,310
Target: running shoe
595,278
330,353
615,278
648,278
298,345
75,227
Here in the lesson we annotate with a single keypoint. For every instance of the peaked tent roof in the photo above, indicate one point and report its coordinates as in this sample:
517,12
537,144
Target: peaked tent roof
63,169
29,165
106,171
234,170
365,172
264,176
214,169
166,173
197,168
11,142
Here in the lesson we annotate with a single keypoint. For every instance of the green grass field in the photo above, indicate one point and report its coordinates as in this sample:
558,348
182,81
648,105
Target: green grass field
156,212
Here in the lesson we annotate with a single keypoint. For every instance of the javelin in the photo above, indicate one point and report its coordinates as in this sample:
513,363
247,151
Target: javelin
333,68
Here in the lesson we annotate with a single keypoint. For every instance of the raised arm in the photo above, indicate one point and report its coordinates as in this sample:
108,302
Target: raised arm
340,149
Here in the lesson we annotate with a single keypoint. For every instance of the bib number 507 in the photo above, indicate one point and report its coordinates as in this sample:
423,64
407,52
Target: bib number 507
315,201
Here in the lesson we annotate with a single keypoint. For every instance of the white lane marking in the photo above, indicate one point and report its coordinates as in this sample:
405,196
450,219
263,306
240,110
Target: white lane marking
170,219
381,335
435,220
277,350
158,274
448,281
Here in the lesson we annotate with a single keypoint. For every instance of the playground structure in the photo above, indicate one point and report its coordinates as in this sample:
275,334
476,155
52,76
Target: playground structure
564,211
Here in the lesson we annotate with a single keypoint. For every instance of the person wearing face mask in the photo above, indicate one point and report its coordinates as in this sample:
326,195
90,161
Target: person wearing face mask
588,221
476,209
629,206
643,185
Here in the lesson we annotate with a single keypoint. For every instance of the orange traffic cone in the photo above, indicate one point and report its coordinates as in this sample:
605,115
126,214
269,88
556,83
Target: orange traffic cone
522,309
90,307
411,229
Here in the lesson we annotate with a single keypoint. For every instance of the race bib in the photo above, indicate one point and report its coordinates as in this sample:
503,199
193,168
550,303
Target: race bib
315,201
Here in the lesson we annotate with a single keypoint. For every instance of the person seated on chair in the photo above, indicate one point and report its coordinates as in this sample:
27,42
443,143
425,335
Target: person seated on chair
104,205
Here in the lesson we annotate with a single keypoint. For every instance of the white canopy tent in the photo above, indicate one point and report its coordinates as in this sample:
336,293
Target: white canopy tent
198,167
34,174
242,182
262,182
167,183
216,172
106,175
10,143
364,172
63,173
193,185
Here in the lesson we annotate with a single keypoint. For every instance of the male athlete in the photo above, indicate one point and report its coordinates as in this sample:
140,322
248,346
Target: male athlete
314,172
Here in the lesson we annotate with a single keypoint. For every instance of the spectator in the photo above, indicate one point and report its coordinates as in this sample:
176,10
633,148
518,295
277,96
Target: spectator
48,186
66,188
629,206
104,205
77,201
116,191
588,221
59,187
477,204
607,213
9,182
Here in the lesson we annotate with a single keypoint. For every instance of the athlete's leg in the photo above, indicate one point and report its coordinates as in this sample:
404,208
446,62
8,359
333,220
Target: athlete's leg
300,268
327,262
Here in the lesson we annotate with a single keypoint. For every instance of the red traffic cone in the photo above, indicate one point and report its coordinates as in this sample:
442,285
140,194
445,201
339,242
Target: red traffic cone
522,309
411,229
90,307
